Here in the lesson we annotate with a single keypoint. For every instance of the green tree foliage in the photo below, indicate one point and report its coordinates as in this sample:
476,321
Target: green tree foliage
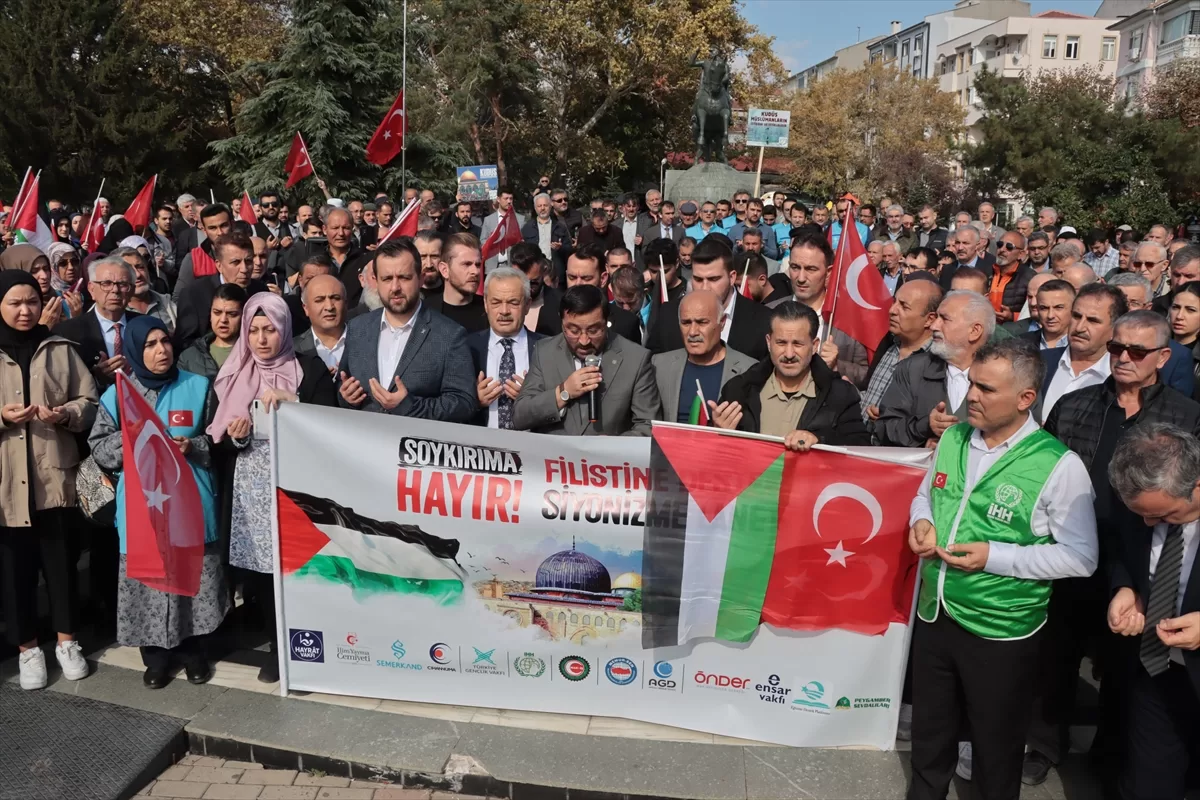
86,97
633,602
1059,138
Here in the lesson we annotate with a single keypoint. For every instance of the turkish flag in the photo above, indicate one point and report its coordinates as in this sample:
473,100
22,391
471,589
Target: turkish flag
859,296
246,212
388,140
405,224
138,213
507,233
93,234
298,165
164,517
202,263
841,551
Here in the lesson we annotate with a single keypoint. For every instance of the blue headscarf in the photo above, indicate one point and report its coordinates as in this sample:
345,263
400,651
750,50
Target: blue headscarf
137,330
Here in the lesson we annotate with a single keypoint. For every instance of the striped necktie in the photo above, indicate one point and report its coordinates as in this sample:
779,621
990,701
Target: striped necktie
1164,592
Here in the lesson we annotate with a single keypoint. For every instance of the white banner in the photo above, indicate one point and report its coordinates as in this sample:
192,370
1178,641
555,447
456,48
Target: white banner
445,563
768,128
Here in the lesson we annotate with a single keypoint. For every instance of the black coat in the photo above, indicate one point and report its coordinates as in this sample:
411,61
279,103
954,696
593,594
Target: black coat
478,342
620,321
985,262
747,334
85,334
195,304
559,234
833,416
937,238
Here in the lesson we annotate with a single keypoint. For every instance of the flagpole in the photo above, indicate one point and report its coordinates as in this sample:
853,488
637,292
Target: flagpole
662,279
837,260
21,189
87,231
404,106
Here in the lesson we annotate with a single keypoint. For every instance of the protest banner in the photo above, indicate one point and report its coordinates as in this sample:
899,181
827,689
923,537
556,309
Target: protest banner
479,182
766,128
442,563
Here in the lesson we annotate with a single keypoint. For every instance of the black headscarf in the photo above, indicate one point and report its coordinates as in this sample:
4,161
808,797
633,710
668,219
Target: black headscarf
20,345
137,330
117,231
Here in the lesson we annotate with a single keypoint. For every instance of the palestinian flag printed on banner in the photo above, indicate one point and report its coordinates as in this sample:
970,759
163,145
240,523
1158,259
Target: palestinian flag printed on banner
321,539
742,531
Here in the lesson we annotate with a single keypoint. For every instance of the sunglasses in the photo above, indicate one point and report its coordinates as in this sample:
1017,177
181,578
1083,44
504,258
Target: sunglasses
1135,353
1142,264
740,202
268,205
1008,246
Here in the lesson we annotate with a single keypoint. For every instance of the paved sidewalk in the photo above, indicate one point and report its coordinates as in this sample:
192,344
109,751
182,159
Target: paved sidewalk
209,778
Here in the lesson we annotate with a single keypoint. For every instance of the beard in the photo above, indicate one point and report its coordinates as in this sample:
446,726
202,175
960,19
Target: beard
371,298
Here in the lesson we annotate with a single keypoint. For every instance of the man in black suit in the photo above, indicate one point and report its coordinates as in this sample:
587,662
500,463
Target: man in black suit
502,352
1155,590
215,220
234,254
971,251
584,267
269,228
747,323
545,231
99,333
325,307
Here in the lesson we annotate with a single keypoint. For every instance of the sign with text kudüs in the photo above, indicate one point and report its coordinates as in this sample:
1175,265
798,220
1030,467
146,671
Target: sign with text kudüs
696,579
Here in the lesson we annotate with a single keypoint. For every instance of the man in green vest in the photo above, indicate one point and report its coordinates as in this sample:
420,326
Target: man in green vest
1005,510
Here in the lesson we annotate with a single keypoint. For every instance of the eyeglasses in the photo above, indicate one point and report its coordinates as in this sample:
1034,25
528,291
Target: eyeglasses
1008,245
1135,352
740,202
559,200
68,261
269,205
108,286
1143,264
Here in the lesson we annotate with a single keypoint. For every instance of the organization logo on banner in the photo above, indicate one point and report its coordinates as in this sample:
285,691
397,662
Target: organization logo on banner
307,645
664,672
724,683
397,661
484,663
442,656
811,698
352,639
772,692
621,671
574,668
847,704
352,654
529,666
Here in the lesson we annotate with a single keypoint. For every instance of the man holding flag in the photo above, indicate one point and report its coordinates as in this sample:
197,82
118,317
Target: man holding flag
698,371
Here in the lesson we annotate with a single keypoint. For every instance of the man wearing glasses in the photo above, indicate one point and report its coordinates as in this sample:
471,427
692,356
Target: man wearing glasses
741,203
269,227
1010,277
1150,260
560,205
99,334
707,224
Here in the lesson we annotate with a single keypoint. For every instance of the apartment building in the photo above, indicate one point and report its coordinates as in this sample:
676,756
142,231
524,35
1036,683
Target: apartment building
1152,39
914,49
848,58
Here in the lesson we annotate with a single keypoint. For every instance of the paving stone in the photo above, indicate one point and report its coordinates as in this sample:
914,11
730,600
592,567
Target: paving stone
288,793
215,774
189,760
209,761
176,773
225,791
269,777
178,789
124,687
453,796
145,790
304,779
784,773
358,783
396,793
243,765
345,794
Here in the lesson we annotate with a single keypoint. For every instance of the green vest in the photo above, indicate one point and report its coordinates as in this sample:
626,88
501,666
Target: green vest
999,509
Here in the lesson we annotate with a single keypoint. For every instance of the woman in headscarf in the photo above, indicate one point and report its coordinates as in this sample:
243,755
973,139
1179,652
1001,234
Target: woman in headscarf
62,228
27,258
47,395
65,272
165,626
263,367
118,229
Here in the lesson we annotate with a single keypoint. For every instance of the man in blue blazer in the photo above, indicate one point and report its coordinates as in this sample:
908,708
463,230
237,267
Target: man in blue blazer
403,358
502,353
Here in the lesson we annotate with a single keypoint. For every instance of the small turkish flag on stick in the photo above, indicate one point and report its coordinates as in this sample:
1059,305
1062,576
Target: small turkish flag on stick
298,165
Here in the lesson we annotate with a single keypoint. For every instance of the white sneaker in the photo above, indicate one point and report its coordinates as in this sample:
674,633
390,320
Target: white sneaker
33,669
963,769
70,658
904,728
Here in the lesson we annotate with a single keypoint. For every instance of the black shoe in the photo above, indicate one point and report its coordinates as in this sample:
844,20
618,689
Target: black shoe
198,672
1035,769
154,678
269,673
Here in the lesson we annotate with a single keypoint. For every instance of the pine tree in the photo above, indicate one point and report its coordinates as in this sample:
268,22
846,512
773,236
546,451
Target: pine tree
331,82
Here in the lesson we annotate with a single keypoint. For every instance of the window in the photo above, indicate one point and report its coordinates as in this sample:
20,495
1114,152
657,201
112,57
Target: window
971,57
904,55
918,44
1049,46
1135,44
962,62
917,68
972,98
1108,49
574,617
1071,51
587,619
1175,28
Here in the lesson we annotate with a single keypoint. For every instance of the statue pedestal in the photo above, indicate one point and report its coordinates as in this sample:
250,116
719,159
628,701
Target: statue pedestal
706,182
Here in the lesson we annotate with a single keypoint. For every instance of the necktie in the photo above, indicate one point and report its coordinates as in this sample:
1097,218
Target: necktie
1164,592
508,368
117,342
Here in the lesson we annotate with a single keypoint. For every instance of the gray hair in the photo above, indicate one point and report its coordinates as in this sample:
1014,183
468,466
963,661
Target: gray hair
1155,457
1143,319
1025,218
895,207
1133,279
122,252
323,211
989,205
978,308
700,293
540,195
1028,367
185,198
1050,209
304,291
1184,256
1158,248
100,200
1063,250
969,229
112,261
508,273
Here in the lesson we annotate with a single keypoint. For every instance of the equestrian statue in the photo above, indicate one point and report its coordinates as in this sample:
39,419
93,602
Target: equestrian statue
712,112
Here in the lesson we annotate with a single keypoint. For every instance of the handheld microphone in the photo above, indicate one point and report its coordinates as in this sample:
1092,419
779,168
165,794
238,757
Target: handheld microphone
592,361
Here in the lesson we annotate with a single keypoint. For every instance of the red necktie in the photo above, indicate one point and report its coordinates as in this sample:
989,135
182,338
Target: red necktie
117,343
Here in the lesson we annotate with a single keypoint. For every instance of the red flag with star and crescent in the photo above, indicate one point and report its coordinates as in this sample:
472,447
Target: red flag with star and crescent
858,297
388,140
298,165
164,516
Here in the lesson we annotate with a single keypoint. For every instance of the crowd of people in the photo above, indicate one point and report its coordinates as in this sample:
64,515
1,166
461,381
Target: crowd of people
1055,377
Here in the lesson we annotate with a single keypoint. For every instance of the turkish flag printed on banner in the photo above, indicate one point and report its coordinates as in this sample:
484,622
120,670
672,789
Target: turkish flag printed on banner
858,296
164,518
841,552
138,213
298,165
405,224
388,140
246,212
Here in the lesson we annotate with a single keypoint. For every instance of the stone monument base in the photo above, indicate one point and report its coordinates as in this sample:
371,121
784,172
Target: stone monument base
706,182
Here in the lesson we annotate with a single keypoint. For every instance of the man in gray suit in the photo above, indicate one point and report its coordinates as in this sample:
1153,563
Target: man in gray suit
667,227
564,395
504,201
704,361
402,358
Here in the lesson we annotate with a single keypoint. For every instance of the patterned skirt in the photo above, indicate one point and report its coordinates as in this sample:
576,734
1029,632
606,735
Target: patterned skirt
149,618
251,533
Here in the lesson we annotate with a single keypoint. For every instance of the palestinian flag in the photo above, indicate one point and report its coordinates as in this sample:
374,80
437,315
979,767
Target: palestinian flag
28,226
321,539
698,414
741,531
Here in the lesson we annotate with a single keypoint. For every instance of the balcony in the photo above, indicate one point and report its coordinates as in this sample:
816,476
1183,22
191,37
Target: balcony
1187,47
